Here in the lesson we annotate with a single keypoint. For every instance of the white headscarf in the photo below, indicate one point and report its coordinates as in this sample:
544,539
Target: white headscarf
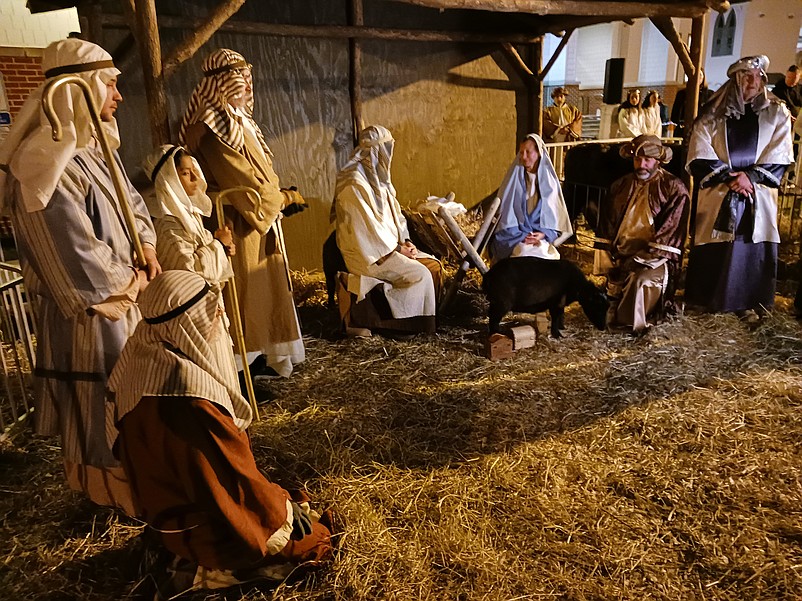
170,196
513,195
179,349
371,161
32,156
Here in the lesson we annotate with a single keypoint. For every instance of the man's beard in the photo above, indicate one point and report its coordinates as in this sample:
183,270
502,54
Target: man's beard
644,174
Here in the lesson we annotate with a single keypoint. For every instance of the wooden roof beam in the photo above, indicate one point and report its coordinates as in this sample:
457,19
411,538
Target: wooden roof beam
666,26
336,31
599,8
205,30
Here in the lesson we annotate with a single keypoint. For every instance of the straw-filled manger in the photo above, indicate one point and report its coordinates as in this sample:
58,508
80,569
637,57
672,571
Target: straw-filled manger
597,466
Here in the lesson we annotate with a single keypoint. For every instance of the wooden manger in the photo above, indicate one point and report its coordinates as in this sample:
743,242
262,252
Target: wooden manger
445,235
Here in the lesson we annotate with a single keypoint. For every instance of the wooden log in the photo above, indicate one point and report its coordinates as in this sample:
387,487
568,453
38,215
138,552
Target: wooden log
695,79
337,31
190,44
498,346
516,61
467,247
666,26
536,90
573,7
151,55
557,51
522,337
692,103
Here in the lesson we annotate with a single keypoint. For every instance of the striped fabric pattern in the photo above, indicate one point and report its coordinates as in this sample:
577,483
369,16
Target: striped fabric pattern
186,356
75,253
209,103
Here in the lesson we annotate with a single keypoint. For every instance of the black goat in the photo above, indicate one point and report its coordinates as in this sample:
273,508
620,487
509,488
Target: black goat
532,285
332,263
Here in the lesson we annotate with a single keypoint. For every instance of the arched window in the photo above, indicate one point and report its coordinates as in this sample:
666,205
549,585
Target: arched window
724,35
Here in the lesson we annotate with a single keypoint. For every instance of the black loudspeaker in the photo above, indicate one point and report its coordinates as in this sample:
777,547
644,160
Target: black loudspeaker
613,81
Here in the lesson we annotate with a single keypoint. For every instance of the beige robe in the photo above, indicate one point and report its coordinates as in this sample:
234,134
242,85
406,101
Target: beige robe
262,276
202,254
555,117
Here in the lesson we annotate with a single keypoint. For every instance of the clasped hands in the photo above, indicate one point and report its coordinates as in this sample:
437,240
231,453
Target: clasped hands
740,183
534,238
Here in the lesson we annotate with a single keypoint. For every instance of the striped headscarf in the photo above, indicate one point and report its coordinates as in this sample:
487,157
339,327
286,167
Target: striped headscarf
29,152
224,73
371,160
179,349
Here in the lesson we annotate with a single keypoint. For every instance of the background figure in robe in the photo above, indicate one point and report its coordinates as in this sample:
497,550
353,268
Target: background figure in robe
652,116
739,148
562,122
630,116
219,130
532,210
178,423
396,285
77,261
678,108
789,90
644,228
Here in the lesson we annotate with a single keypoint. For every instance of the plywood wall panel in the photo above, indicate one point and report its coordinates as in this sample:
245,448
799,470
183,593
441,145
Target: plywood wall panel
450,107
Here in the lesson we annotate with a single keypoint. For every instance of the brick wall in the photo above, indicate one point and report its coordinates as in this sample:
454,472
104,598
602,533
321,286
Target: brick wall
21,74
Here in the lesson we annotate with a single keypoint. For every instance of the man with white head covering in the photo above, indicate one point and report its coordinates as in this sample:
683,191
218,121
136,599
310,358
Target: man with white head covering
533,218
178,207
739,148
373,236
219,130
177,422
76,258
644,230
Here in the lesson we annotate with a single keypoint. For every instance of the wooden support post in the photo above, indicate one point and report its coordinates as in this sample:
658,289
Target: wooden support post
666,26
692,104
536,92
356,18
557,52
190,44
151,55
692,89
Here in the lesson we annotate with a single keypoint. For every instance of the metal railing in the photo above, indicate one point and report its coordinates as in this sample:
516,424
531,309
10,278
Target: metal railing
17,350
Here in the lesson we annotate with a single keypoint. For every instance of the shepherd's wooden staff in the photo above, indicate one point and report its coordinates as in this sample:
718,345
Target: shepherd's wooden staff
116,177
231,289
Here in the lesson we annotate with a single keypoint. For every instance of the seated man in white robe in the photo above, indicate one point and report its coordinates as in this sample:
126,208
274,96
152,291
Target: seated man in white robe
394,285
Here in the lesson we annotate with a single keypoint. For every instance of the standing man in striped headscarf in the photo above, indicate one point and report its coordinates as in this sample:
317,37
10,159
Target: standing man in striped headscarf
76,258
219,130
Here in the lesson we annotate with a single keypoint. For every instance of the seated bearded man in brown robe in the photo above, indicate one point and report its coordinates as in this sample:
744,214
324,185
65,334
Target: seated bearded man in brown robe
177,423
644,230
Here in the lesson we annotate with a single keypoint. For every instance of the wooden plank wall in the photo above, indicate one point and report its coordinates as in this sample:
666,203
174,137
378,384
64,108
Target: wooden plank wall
450,107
